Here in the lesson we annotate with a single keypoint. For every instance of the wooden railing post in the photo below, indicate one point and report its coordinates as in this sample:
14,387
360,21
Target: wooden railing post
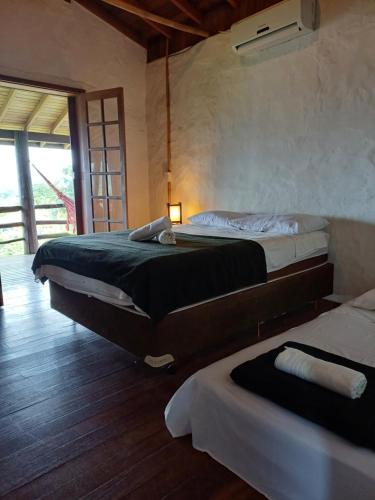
76,161
26,190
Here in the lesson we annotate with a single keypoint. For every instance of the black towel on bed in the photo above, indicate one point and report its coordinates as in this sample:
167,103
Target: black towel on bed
352,419
160,278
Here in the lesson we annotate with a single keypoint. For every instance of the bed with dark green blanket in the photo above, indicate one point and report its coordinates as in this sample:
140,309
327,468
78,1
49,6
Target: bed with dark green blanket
159,278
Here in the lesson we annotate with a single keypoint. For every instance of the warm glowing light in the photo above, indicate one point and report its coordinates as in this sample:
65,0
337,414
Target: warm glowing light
175,212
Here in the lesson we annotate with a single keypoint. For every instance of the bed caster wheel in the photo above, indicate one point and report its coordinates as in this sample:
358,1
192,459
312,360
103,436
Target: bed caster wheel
165,362
171,369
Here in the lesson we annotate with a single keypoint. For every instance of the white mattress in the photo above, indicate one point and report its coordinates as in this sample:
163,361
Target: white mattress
280,251
279,453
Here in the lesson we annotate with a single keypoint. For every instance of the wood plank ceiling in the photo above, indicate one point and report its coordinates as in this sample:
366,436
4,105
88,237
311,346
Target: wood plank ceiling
183,23
33,111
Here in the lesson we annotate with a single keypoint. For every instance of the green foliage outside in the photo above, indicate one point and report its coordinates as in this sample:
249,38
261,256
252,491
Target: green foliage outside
43,194
16,248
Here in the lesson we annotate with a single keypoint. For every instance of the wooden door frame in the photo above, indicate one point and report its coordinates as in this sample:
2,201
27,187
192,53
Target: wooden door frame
46,86
71,93
76,162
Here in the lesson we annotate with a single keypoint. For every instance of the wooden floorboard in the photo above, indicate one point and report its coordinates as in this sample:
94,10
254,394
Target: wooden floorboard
79,419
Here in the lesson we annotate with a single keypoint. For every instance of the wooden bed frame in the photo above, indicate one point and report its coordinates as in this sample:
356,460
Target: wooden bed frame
185,332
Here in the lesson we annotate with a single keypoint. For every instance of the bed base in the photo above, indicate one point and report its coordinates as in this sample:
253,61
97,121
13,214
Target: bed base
183,333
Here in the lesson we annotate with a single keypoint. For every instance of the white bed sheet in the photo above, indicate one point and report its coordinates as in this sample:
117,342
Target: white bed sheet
279,453
280,251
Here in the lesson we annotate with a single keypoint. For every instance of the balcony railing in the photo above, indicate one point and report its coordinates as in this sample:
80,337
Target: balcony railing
50,222
7,210
16,208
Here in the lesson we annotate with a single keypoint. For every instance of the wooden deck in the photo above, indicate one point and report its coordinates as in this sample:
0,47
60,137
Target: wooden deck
79,418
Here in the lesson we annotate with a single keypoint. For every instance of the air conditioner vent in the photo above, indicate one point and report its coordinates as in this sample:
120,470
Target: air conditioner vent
273,26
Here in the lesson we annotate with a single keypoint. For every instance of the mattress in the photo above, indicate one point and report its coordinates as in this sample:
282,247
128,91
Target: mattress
277,452
280,251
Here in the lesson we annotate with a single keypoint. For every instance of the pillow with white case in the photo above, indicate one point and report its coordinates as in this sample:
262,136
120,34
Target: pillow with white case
364,301
280,223
219,218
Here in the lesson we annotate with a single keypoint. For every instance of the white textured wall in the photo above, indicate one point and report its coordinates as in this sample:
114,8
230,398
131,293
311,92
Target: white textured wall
293,130
58,42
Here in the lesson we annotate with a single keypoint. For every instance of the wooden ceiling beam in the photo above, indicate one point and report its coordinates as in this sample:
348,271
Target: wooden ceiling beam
162,30
188,9
218,18
8,101
36,111
145,14
112,20
159,28
59,120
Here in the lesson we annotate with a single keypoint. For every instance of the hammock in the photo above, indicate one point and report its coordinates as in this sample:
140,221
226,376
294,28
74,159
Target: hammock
68,202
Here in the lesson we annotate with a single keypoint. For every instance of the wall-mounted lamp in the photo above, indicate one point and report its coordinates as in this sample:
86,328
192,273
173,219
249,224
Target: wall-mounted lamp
175,212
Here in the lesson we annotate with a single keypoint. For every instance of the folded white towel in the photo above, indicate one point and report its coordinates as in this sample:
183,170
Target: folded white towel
337,378
150,230
166,237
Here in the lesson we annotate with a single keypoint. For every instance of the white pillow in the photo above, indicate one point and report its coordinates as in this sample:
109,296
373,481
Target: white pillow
280,223
215,217
364,301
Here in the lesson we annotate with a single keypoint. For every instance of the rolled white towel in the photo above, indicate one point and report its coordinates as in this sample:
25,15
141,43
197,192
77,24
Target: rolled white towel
337,378
166,237
150,230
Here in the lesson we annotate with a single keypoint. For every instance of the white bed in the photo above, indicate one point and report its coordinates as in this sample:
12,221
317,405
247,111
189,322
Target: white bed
280,251
278,453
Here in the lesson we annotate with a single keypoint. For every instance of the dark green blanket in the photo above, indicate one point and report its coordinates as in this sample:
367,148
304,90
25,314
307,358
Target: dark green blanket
160,278
352,419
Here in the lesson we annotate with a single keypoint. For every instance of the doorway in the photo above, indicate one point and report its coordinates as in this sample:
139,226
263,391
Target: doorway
62,163
37,199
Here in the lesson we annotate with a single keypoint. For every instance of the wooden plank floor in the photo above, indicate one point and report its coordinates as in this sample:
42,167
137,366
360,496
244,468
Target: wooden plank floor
79,419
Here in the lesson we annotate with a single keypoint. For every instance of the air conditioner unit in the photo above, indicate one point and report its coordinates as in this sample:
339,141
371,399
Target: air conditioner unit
273,26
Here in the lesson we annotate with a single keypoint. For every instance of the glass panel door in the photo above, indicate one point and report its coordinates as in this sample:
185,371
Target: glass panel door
105,160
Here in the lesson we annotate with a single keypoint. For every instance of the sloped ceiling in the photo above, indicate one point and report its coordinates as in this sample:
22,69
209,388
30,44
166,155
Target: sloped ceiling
197,19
